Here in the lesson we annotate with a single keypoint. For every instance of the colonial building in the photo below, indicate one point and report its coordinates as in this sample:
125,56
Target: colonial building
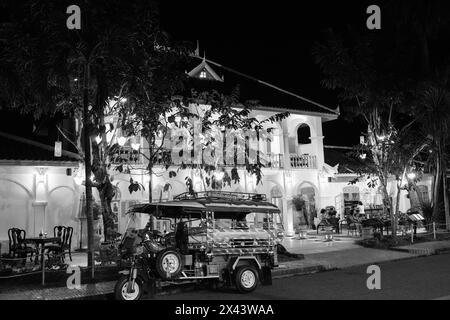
39,190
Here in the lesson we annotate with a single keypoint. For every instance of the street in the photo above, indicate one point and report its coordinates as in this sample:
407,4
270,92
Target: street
421,278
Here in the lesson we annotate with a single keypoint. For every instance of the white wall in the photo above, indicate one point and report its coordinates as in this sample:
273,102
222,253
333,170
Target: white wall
36,199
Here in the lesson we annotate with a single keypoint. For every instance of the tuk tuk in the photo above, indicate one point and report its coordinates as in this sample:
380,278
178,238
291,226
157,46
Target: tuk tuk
207,236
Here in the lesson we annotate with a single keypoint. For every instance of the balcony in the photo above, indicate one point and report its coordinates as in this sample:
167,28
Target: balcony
304,161
127,155
275,161
272,161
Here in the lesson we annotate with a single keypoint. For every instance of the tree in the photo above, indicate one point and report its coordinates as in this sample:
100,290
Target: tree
358,68
201,129
434,99
42,63
387,75
425,25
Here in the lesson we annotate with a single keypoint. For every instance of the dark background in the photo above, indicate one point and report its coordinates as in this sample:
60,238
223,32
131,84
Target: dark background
271,41
268,40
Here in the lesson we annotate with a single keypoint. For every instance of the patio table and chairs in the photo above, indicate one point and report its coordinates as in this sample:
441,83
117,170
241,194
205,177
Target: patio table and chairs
22,247
18,244
39,243
63,244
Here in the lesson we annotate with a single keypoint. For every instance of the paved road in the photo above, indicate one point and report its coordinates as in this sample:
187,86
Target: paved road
421,278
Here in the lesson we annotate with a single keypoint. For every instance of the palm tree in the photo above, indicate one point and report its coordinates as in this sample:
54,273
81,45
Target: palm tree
434,101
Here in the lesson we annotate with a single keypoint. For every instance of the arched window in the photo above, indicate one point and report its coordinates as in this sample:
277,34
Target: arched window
304,134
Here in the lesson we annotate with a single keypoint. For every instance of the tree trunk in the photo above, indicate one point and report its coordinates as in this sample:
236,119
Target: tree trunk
446,203
106,196
387,201
88,172
150,171
437,186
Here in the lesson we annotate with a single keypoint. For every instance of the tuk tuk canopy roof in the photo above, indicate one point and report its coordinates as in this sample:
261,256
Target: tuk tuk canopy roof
223,208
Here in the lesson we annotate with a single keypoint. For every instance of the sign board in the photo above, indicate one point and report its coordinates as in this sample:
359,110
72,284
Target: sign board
416,217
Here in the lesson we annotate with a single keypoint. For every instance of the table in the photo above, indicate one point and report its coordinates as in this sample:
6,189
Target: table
40,246
40,243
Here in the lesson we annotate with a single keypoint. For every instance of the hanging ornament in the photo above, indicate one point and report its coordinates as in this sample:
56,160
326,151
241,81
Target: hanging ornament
58,148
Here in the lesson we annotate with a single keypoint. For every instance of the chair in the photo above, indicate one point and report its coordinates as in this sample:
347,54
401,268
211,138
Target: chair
352,226
17,244
64,245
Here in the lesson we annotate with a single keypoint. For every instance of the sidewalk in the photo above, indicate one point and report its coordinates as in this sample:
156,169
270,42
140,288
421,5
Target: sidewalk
319,256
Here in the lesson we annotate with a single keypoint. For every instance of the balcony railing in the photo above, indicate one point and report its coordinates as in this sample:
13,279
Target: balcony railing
127,155
303,161
275,161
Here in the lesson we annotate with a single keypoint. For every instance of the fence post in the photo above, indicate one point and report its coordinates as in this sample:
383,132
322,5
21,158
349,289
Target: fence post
434,230
412,234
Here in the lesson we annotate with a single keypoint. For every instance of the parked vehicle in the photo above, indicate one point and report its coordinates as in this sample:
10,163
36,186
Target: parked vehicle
212,238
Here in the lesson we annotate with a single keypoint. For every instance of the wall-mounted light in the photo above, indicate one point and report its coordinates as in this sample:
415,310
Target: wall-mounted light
78,179
219,176
121,141
40,177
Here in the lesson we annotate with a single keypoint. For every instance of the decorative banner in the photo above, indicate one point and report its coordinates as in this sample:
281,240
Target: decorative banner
58,148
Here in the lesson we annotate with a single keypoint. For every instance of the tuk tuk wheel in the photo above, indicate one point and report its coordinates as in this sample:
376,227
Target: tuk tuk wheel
246,279
121,289
169,263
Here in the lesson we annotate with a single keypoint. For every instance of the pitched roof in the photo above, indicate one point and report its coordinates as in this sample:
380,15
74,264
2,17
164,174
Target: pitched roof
18,149
204,67
266,95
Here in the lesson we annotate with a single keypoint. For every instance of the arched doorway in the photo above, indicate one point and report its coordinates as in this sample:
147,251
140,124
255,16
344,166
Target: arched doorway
305,206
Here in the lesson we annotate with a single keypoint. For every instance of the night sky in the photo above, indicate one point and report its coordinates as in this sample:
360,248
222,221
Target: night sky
271,41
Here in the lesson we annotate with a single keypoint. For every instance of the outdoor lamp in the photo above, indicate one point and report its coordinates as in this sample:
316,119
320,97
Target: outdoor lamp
98,139
78,180
219,176
411,175
121,141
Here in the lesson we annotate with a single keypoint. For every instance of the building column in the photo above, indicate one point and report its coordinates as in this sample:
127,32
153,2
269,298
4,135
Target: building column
288,218
285,145
40,201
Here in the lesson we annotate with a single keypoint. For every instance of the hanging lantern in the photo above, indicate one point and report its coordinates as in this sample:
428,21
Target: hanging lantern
58,148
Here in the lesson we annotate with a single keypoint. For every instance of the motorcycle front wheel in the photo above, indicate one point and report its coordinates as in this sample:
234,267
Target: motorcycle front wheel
121,287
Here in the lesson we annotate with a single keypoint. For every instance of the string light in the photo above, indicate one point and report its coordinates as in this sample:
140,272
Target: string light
121,141
135,146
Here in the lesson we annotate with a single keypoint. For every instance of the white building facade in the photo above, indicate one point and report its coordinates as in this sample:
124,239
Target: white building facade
38,195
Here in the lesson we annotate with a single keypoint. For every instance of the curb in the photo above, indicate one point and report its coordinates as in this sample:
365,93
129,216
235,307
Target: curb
191,287
281,273
420,252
